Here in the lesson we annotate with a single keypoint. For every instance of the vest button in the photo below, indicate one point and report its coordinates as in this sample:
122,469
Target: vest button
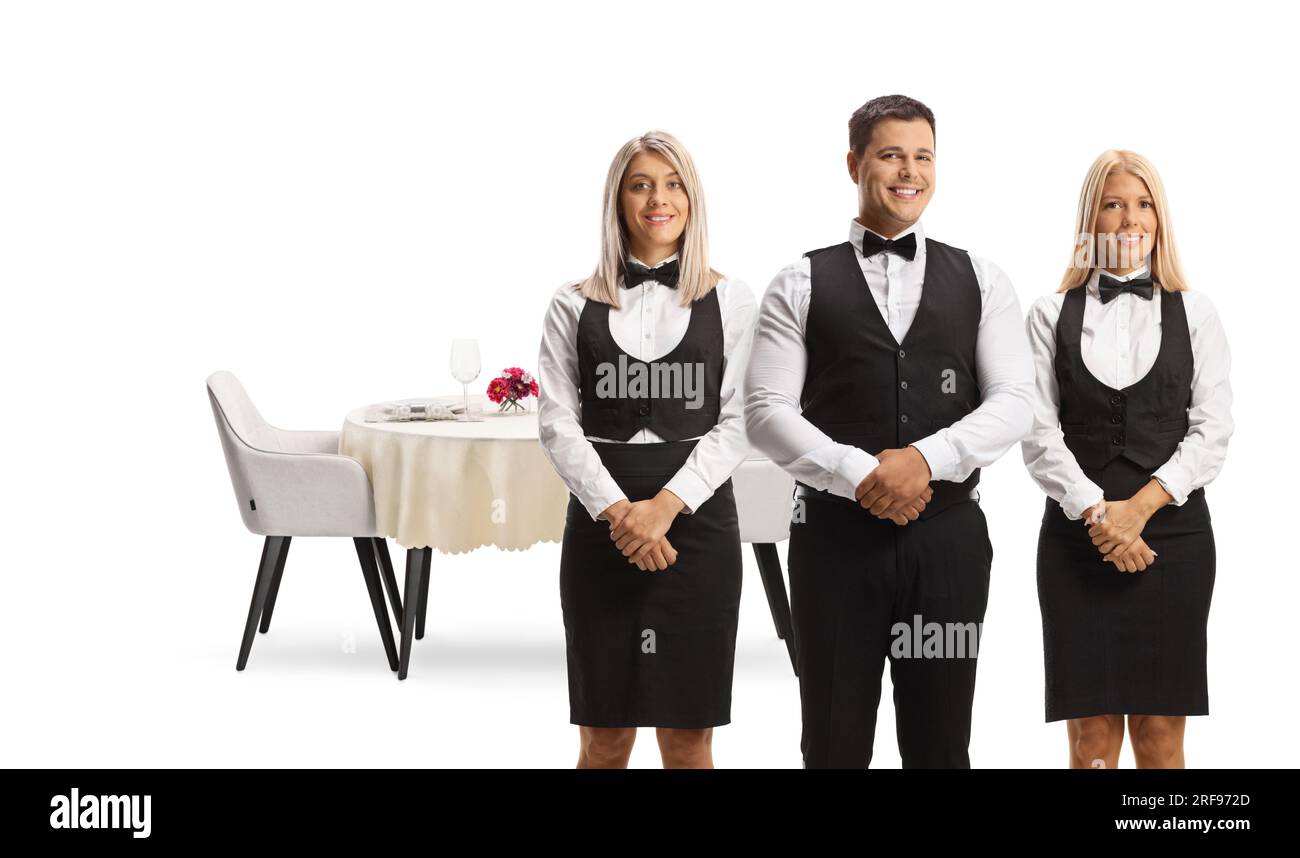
1116,399
902,418
1117,439
1114,418
643,410
903,385
902,353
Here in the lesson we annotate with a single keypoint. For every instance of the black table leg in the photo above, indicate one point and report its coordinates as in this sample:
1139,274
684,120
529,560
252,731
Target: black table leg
414,576
426,561
769,569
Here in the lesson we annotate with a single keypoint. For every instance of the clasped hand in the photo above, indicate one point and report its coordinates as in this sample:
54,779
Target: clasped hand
639,530
899,488
1116,530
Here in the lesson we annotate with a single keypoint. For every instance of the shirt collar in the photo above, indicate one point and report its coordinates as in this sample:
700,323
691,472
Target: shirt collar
856,231
632,258
1094,282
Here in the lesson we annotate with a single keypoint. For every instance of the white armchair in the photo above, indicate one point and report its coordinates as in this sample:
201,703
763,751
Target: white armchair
293,483
764,501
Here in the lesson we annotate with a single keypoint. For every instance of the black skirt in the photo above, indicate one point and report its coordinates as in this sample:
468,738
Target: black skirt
1126,643
651,649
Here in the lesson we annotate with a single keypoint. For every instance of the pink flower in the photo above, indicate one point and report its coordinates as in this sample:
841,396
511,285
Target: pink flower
513,384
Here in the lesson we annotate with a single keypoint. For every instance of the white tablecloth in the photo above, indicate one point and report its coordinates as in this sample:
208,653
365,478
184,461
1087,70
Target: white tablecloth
459,486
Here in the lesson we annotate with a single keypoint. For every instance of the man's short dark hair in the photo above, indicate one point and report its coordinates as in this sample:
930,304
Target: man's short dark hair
864,119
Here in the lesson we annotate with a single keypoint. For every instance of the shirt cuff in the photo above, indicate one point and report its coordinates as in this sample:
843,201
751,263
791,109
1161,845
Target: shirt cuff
938,455
1173,480
600,497
1081,496
692,490
851,471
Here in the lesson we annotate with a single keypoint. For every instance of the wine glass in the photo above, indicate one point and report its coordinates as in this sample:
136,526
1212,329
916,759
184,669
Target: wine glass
465,367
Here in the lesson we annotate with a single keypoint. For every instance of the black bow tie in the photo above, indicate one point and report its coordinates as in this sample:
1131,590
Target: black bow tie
1111,288
634,274
873,244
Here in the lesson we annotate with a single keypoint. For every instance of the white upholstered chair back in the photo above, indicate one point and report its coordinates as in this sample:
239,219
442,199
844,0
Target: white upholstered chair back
763,500
288,483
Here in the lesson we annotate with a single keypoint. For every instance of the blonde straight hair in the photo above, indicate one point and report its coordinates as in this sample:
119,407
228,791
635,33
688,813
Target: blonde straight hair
696,278
1165,268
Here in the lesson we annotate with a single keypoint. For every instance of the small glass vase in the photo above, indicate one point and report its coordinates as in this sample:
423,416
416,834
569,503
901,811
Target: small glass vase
512,406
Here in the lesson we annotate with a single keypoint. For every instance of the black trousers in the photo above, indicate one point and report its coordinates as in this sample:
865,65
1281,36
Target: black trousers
863,590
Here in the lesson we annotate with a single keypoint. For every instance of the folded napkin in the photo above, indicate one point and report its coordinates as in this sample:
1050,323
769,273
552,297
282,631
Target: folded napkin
413,409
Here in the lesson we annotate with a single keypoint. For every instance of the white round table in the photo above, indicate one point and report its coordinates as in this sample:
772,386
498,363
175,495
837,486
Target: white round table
456,486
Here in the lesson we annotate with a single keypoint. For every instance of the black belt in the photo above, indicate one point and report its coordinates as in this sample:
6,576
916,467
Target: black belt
664,458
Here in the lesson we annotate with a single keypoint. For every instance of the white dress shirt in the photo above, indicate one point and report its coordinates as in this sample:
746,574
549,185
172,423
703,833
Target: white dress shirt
1120,341
778,364
648,325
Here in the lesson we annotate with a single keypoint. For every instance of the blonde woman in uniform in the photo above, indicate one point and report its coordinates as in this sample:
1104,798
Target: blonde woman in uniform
1132,420
642,417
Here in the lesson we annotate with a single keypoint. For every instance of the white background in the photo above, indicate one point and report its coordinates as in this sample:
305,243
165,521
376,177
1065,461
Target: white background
320,196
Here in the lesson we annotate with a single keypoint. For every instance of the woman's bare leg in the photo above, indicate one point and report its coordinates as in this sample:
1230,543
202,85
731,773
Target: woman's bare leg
686,749
1095,742
1158,740
605,747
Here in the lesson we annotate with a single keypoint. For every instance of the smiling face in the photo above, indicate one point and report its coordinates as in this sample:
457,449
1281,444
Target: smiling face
1126,223
654,207
895,175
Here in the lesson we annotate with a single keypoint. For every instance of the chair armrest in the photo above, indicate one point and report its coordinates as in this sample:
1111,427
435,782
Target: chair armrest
308,441
304,494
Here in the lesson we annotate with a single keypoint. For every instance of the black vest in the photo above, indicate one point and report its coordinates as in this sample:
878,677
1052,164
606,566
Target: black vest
866,389
1145,421
617,410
